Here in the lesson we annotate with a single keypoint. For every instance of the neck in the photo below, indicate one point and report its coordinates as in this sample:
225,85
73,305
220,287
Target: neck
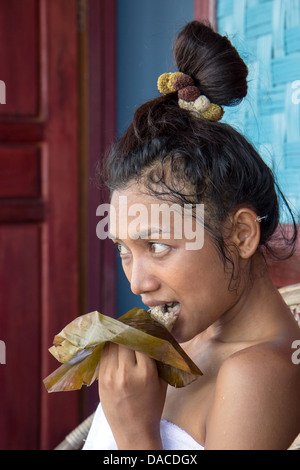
250,317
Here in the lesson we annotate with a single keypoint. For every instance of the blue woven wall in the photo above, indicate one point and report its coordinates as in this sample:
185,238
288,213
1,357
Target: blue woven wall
267,35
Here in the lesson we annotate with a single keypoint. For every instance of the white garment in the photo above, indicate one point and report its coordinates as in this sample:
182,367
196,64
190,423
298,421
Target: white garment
173,437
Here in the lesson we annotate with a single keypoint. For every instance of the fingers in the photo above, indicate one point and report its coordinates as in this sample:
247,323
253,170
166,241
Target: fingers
145,362
109,357
150,373
117,360
114,355
127,356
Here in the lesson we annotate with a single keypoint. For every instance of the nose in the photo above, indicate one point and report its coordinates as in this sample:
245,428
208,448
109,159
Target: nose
142,278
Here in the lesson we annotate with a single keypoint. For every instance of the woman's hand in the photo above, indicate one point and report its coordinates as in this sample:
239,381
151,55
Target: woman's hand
132,397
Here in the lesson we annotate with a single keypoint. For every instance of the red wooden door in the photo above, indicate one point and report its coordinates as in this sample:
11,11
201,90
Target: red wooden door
38,214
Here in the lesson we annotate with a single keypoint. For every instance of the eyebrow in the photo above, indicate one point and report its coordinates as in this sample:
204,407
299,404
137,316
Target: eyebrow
146,233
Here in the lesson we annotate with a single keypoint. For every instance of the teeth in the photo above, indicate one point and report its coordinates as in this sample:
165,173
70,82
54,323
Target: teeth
170,307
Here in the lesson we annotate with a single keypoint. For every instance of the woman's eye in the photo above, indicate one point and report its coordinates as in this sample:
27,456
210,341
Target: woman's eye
121,249
158,247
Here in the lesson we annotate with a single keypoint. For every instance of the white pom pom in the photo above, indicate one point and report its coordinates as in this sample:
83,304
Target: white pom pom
201,104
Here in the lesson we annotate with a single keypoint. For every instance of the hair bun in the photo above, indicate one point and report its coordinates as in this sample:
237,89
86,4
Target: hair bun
213,63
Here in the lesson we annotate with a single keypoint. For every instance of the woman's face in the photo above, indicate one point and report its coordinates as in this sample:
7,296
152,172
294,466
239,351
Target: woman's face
161,267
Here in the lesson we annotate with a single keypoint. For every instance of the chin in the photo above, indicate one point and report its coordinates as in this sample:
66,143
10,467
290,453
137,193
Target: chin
180,335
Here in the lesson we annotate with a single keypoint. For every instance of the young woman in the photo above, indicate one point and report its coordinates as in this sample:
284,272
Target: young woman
231,320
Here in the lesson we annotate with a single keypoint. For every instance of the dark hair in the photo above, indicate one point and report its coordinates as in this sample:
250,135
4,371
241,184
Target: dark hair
213,163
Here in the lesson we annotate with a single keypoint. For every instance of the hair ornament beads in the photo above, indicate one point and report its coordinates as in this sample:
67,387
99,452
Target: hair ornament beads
189,96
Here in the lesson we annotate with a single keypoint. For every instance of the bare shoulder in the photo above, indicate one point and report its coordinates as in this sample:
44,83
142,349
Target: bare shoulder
272,358
265,368
256,400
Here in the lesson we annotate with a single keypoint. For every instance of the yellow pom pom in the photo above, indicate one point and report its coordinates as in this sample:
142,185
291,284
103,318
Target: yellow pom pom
213,113
162,83
165,82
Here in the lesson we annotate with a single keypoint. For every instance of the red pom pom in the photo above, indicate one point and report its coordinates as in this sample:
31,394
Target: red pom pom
189,93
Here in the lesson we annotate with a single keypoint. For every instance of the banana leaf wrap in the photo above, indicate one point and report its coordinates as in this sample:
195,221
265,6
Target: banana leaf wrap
79,346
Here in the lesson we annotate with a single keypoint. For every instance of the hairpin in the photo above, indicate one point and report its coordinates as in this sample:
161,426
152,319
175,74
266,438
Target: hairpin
260,218
189,96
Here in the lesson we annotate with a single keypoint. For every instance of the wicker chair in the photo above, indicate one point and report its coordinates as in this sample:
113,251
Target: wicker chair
75,440
291,295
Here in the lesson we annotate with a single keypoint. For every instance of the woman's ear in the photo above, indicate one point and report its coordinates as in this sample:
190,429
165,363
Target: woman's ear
245,232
